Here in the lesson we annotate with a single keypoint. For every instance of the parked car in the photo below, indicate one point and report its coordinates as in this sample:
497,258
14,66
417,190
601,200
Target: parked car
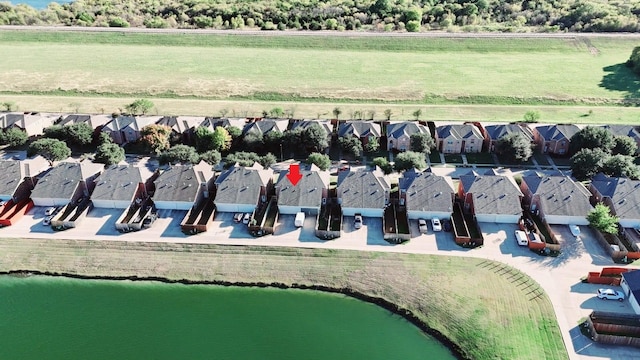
47,221
299,219
446,225
521,238
435,224
357,223
246,218
575,230
610,294
149,220
2,202
422,225
50,211
237,217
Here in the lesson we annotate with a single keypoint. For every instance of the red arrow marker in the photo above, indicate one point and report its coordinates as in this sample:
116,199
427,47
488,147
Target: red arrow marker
294,174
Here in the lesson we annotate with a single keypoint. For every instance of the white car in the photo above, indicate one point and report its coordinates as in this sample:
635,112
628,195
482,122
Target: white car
521,238
49,211
422,225
2,202
246,218
435,224
610,294
47,221
575,230
237,217
357,222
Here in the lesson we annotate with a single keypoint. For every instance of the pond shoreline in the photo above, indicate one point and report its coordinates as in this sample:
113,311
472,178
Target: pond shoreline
408,315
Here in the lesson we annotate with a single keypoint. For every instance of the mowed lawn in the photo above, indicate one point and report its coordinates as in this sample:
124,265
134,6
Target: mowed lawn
498,70
504,316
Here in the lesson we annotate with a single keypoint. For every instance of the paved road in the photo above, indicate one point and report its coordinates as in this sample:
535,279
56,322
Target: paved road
430,34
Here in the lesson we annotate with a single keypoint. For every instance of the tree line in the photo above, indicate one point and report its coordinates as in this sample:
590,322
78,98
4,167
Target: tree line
377,15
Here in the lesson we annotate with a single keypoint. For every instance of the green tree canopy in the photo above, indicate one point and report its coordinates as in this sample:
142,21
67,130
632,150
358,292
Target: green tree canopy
253,141
109,153
350,144
221,139
322,161
211,157
13,137
587,162
50,149
267,160
620,165
600,218
372,145
514,148
634,60
592,137
179,154
410,159
203,138
243,158
422,143
78,134
383,164
531,116
624,145
140,106
315,138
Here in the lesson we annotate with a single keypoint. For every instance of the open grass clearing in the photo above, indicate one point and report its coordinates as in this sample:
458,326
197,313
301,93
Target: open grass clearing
503,71
505,316
202,107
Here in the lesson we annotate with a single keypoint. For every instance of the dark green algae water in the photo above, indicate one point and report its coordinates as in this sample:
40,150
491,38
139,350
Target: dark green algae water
61,318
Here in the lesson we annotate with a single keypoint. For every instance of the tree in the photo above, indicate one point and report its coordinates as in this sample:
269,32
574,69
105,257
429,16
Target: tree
272,140
14,137
79,134
179,154
351,144
592,137
315,138
634,60
243,158
267,160
532,116
383,164
109,153
421,143
372,145
276,112
50,149
587,162
235,132
211,157
221,140
140,106
620,166
322,161
204,139
387,114
410,159
600,218
417,114
624,145
156,137
9,106
253,141
337,112
514,148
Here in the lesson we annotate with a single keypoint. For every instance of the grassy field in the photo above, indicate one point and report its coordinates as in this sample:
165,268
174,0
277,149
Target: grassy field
506,316
407,72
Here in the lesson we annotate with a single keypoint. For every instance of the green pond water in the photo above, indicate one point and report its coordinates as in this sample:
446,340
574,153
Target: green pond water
61,318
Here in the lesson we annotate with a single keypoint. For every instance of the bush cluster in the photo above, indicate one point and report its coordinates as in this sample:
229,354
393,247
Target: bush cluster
379,15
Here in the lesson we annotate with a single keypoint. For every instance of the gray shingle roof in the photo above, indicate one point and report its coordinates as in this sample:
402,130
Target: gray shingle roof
398,129
459,131
95,121
180,124
624,130
181,182
359,129
363,189
265,126
241,185
496,132
212,123
61,181
624,194
118,182
307,192
492,194
557,132
426,191
559,195
11,176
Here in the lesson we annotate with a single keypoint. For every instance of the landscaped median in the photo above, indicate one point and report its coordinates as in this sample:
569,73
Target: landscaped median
490,310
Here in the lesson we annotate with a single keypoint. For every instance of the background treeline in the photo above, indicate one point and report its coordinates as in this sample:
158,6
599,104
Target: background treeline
377,15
